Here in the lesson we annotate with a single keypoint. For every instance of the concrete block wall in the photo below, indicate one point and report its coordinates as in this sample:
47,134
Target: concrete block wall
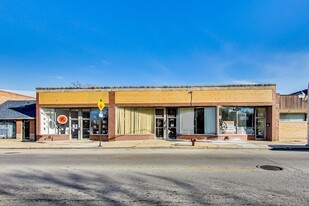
19,130
293,131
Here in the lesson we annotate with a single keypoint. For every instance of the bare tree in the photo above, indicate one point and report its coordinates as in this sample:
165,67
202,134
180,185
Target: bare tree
79,84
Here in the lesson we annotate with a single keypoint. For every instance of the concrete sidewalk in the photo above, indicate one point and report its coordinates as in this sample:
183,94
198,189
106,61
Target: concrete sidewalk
176,144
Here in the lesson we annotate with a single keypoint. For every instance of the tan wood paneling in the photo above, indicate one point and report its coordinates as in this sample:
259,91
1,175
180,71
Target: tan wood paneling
292,102
70,98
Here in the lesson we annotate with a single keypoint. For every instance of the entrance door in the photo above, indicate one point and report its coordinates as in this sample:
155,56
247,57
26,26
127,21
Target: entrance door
26,128
80,124
160,123
74,129
86,123
260,123
171,123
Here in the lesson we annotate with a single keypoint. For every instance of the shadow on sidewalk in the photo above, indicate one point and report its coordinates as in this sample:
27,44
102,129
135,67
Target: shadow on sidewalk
284,147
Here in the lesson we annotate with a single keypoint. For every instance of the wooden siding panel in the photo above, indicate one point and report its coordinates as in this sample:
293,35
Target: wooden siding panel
292,102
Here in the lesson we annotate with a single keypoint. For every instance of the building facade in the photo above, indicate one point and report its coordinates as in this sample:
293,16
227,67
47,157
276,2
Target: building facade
5,96
293,117
17,120
247,112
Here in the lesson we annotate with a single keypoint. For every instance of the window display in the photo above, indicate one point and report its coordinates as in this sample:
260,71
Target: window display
236,120
99,126
8,129
60,121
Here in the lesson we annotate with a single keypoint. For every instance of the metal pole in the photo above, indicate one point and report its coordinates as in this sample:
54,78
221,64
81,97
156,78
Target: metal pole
308,115
100,130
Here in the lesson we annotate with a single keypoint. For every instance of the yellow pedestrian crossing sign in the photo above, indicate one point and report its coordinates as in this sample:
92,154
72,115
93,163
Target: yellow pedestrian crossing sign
101,104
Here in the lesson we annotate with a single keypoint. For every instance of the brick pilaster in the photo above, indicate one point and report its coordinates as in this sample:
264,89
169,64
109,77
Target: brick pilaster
111,117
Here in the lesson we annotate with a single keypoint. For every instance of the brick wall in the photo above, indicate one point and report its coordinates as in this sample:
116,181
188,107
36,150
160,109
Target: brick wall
111,117
54,137
133,137
32,129
19,129
293,131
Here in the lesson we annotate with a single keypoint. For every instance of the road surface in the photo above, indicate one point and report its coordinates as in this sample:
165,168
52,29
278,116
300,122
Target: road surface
153,177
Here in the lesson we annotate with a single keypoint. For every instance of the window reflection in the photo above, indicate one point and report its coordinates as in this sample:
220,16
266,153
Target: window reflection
236,120
99,126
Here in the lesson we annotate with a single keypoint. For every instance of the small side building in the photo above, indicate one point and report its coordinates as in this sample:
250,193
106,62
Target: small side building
17,120
293,117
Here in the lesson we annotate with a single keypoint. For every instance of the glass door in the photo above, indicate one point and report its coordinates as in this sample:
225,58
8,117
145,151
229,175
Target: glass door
74,124
86,124
160,124
26,128
171,123
260,123
74,129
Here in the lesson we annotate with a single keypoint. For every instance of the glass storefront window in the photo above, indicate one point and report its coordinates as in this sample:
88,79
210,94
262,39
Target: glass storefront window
293,117
97,126
197,120
186,120
62,128
210,120
132,120
48,121
236,120
8,129
85,119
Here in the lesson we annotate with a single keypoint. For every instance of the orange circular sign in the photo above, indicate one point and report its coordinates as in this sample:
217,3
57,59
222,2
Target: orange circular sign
62,119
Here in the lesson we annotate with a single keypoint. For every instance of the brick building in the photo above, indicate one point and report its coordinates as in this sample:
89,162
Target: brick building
248,112
293,116
17,120
4,96
17,116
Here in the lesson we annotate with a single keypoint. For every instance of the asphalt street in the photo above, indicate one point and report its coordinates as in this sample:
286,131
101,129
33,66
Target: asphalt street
153,177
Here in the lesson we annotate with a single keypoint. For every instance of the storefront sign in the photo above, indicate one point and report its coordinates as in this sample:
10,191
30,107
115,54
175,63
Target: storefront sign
62,119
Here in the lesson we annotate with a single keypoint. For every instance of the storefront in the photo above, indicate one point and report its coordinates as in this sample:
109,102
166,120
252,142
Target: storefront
245,112
75,123
7,129
17,120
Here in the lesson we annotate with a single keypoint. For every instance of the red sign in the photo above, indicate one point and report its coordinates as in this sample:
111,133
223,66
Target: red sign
62,119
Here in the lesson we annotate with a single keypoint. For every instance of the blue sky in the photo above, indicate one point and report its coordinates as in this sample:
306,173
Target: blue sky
154,42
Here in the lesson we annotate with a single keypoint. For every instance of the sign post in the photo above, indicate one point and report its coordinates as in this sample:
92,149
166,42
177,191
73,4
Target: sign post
101,106
308,115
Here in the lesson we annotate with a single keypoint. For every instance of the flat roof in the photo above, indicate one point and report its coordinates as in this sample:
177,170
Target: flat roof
154,88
